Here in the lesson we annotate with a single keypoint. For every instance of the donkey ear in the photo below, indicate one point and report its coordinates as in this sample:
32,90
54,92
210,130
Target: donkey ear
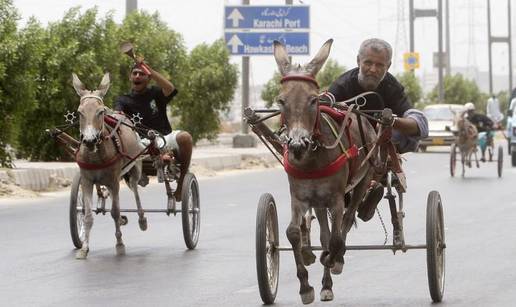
318,61
281,56
79,87
104,85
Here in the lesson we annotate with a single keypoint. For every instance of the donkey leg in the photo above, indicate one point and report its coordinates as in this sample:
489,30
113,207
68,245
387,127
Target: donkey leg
294,237
336,242
115,214
134,177
87,190
306,245
327,283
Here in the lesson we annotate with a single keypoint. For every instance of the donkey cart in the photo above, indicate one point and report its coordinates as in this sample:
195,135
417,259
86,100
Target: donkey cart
466,157
166,168
268,247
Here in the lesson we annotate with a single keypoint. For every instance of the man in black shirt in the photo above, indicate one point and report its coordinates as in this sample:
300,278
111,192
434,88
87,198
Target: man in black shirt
150,102
374,59
484,125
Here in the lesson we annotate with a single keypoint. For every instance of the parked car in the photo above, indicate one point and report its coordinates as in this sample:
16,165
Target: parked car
440,124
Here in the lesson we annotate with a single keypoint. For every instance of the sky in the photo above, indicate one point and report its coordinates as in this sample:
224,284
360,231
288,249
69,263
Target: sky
348,22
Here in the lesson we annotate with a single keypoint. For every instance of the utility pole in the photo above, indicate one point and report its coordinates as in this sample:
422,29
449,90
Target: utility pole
447,29
245,85
499,39
415,13
130,5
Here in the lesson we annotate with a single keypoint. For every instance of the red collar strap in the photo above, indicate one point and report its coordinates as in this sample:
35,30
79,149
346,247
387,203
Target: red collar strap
95,166
329,170
300,78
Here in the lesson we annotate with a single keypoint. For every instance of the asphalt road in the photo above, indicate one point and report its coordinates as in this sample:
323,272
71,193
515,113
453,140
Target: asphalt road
38,267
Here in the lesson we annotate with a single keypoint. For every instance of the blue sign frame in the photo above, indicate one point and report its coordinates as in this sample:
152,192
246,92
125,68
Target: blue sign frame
260,43
266,18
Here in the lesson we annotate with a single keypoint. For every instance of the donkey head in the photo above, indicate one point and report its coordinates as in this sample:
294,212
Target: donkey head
298,99
91,111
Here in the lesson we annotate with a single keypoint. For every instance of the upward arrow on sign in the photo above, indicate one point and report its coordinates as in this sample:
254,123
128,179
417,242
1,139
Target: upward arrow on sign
236,17
234,42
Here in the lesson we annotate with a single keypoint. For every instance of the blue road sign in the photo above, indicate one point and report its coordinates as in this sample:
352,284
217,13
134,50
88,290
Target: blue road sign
254,43
266,17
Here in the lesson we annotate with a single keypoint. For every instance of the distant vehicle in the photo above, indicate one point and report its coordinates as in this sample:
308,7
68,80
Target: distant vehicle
440,124
511,138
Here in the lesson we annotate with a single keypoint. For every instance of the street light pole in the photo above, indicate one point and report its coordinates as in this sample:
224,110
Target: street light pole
130,5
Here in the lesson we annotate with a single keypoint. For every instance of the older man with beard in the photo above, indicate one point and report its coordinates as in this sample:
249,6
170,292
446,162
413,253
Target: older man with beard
374,59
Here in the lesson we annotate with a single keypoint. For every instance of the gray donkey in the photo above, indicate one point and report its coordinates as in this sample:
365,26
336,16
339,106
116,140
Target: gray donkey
102,155
335,197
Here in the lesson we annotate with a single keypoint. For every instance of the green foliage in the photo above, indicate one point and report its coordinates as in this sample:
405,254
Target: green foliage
40,60
271,89
458,90
412,86
331,71
211,83
9,85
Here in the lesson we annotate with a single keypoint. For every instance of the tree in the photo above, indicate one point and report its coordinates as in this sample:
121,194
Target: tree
8,60
458,90
210,86
82,43
331,71
412,86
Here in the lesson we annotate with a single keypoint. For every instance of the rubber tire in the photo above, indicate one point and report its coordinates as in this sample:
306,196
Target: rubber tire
74,198
191,229
422,148
453,159
513,158
500,161
435,246
267,211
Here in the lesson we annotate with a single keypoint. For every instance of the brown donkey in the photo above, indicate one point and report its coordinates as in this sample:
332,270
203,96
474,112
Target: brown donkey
333,193
103,159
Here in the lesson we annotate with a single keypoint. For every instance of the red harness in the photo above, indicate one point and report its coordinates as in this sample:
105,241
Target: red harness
334,166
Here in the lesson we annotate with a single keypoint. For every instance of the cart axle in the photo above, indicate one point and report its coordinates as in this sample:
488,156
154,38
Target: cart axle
366,247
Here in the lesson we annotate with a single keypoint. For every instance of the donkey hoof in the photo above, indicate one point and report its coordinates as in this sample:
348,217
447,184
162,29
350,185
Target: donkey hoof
123,220
326,295
143,223
308,297
120,249
337,268
308,256
81,254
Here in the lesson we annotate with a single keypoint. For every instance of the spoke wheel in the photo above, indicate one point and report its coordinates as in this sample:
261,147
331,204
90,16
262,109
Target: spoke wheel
500,161
76,212
435,246
453,159
190,210
267,255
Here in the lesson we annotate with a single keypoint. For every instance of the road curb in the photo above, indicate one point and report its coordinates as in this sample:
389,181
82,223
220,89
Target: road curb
51,177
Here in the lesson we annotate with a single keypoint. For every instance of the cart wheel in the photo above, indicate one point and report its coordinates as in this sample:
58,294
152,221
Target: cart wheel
435,246
76,216
191,212
267,256
500,161
453,159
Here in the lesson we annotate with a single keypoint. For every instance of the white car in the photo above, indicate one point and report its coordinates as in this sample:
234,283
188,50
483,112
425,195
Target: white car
440,124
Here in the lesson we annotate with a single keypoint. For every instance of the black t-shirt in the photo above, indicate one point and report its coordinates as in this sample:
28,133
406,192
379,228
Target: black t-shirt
481,121
393,93
152,106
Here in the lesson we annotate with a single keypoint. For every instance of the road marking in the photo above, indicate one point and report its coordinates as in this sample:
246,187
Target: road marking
251,289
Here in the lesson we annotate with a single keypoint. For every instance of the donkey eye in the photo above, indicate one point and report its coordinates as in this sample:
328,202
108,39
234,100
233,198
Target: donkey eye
280,101
314,100
99,112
